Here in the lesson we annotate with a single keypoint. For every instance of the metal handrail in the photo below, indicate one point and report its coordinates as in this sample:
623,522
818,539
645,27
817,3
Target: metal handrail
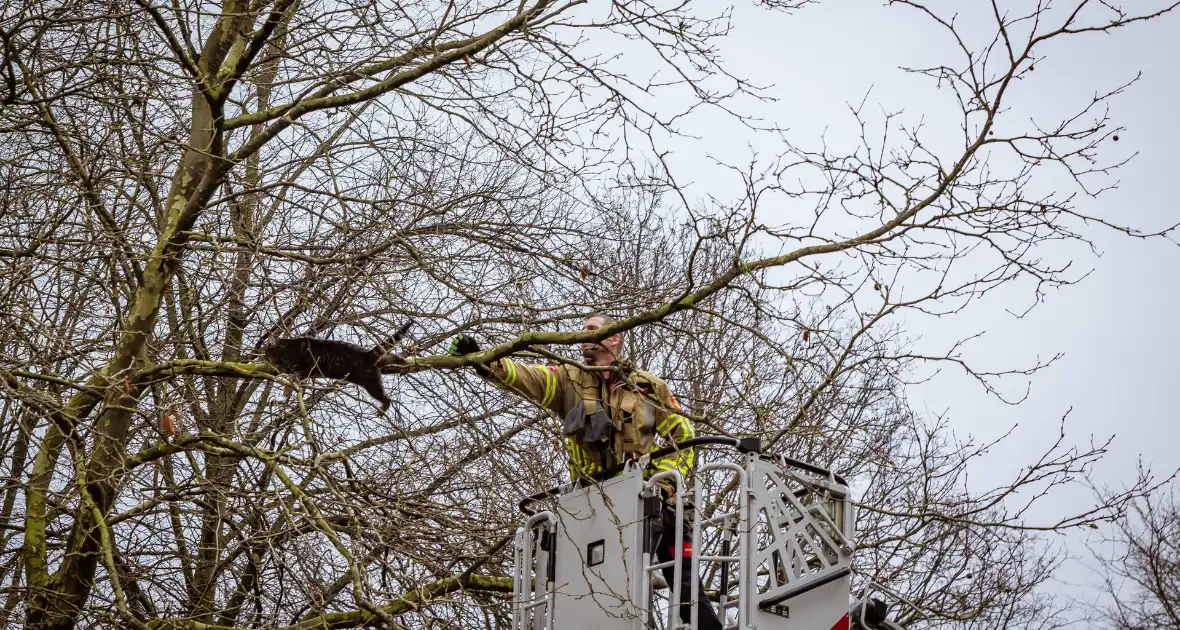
741,444
522,570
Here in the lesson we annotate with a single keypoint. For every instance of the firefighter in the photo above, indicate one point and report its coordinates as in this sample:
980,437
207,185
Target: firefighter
609,416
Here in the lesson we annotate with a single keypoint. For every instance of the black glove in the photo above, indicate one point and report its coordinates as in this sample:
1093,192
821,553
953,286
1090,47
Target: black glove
463,344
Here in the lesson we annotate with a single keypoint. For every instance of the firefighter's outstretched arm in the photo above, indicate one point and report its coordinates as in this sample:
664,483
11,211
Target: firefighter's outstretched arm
673,428
536,383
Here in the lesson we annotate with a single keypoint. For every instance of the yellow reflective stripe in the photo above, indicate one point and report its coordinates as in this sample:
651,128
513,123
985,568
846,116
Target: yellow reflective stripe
672,465
582,458
682,460
510,369
591,465
670,423
550,386
574,450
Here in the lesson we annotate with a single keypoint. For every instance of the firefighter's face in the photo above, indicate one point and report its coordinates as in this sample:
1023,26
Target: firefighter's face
603,352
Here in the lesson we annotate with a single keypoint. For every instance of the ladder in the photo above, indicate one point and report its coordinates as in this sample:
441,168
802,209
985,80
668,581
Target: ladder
774,554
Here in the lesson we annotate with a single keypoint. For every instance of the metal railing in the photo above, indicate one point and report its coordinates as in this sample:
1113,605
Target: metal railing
526,573
806,507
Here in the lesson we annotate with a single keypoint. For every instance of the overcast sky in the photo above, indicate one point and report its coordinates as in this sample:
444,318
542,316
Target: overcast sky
1115,327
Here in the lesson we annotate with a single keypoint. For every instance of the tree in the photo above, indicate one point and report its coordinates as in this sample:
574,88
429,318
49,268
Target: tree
185,181
1143,577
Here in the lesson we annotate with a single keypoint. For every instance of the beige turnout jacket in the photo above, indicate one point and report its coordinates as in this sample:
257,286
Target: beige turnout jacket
636,411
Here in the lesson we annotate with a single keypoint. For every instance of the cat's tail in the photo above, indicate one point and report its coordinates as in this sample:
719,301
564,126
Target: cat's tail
387,346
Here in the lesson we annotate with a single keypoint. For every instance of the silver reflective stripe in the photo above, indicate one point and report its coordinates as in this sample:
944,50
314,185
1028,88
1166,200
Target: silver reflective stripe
649,416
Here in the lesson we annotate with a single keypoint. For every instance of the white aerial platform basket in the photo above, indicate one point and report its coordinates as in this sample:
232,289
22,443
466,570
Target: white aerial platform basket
773,553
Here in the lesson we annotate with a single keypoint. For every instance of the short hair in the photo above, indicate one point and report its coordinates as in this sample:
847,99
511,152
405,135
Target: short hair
607,320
